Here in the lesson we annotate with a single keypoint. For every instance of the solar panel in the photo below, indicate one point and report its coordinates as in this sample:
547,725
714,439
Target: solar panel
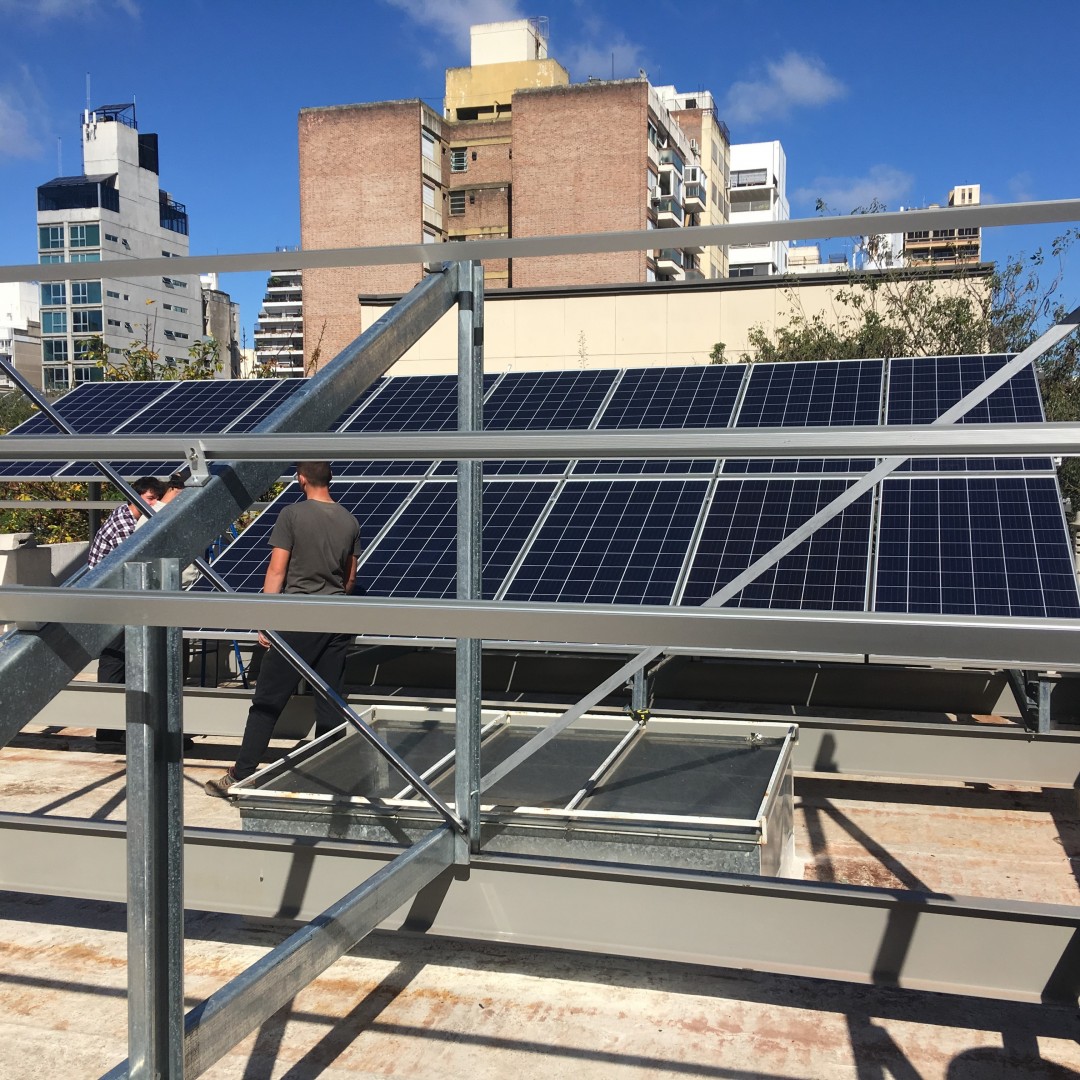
612,541
417,556
811,394
747,518
974,546
668,398
922,388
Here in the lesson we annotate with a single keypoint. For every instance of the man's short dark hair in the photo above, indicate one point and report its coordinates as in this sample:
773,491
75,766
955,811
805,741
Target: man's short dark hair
174,481
149,485
315,472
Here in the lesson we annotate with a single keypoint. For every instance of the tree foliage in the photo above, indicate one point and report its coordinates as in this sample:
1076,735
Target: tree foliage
140,362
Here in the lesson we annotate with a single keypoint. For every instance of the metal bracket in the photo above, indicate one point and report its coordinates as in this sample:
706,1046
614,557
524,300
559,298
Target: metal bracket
197,466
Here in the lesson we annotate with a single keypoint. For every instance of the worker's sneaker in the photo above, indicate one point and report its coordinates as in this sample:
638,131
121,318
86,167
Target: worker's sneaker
219,786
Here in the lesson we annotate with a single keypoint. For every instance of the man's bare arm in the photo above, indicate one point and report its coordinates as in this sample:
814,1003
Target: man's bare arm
350,575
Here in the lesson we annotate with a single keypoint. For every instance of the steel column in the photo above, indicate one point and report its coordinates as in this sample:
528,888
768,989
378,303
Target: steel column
155,837
470,521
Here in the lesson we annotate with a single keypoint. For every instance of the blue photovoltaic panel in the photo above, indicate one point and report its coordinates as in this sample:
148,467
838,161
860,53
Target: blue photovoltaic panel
243,563
91,409
359,403
407,403
974,546
543,401
657,398
747,518
812,394
612,541
922,388
276,392
189,407
417,556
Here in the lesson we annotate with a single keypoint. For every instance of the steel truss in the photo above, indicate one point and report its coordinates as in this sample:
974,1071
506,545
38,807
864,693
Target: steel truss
880,935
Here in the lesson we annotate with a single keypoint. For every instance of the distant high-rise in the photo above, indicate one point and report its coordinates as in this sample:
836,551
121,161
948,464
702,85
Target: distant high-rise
279,333
519,151
114,210
943,246
20,332
757,191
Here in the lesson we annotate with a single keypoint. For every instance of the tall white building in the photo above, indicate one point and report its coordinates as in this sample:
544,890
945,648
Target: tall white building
757,191
20,332
279,333
115,209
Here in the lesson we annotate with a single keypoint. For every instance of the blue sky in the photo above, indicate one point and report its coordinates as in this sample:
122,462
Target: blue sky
870,99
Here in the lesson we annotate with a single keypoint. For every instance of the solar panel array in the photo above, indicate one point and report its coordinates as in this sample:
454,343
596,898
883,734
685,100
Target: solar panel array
978,535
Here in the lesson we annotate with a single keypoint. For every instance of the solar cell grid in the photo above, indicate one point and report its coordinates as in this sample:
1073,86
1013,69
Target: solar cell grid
974,546
612,541
747,518
923,388
417,556
812,394
658,398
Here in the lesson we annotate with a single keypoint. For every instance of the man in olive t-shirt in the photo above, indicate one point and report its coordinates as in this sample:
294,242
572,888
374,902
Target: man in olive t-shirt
314,545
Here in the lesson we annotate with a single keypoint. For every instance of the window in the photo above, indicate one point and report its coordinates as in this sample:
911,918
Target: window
459,159
89,374
83,347
182,337
113,322
749,178
114,239
55,350
51,258
173,283
428,237
86,256
654,136
85,236
86,321
50,236
457,202
167,255
427,145
52,292
54,322
56,378
111,293
86,292
429,196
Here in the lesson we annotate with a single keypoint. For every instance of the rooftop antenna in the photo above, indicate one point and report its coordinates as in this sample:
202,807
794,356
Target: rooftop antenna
59,156
88,91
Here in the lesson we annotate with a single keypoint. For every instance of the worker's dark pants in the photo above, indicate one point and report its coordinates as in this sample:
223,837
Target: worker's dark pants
111,670
325,653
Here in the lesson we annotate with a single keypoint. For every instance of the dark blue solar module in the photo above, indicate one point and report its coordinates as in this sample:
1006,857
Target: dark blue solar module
658,398
747,518
829,393
922,388
412,403
277,391
243,563
417,556
974,546
612,541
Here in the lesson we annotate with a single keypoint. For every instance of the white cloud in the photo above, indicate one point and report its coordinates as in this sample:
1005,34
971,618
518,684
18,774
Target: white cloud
842,194
1021,187
47,10
22,116
452,18
792,82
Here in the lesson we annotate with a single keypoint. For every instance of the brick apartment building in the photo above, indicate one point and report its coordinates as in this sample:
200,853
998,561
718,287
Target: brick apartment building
520,151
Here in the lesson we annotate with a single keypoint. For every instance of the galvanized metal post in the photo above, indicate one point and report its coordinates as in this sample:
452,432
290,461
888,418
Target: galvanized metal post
470,297
155,836
639,693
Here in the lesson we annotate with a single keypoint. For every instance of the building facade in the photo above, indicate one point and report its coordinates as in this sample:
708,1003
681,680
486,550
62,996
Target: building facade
757,191
115,209
519,151
279,332
20,332
947,247
221,321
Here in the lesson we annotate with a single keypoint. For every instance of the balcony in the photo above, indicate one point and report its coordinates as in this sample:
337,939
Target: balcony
694,198
670,261
670,158
669,212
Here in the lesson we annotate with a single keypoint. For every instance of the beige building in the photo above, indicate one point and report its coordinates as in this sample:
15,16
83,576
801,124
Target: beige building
519,151
632,325
947,247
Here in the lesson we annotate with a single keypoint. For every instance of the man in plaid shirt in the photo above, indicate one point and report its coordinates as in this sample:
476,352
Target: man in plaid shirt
118,526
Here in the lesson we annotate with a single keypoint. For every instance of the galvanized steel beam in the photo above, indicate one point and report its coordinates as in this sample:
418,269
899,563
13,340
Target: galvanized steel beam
1062,439
983,640
985,215
991,948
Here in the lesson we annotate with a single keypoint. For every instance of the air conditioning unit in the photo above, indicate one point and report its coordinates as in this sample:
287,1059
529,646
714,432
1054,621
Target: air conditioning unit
693,146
